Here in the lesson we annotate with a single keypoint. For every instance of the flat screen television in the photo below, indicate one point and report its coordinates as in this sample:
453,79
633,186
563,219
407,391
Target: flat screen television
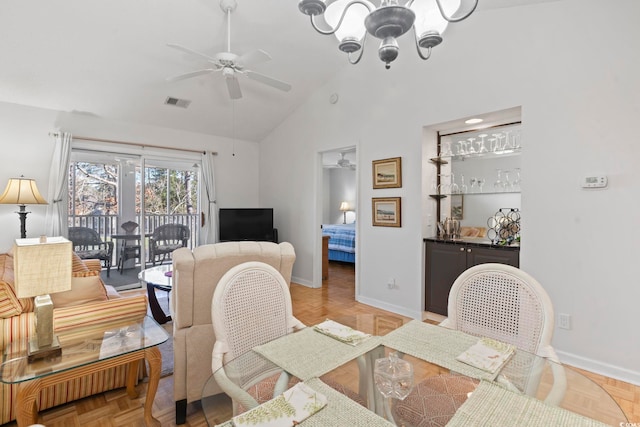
246,224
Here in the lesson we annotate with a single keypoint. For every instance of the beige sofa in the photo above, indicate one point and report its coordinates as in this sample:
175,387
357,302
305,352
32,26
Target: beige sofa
195,276
70,314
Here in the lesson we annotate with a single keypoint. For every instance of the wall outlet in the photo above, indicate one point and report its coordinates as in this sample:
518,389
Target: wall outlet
564,321
391,284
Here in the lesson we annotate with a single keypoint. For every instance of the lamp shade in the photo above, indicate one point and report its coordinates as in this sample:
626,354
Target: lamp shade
22,191
344,206
42,268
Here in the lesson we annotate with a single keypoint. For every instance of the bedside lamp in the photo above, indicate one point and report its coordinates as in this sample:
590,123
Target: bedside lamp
344,207
42,266
22,191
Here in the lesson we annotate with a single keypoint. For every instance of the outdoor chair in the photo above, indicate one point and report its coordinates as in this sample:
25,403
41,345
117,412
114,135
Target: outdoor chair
166,239
88,245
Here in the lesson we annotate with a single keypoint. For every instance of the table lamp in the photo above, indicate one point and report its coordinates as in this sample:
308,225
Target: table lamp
344,207
42,266
22,191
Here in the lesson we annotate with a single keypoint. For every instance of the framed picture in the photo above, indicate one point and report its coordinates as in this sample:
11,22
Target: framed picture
387,173
457,206
386,211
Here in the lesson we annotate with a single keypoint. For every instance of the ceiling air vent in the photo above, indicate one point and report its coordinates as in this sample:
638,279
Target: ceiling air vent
177,102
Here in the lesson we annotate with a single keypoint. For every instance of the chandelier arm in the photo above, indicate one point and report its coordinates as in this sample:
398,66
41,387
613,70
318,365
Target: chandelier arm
418,48
354,62
344,13
451,18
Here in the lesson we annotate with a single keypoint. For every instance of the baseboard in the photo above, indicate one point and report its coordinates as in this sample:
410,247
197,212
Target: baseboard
302,282
390,307
595,366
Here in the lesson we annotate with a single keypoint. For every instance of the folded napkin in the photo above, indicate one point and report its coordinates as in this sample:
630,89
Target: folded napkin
286,410
341,332
487,354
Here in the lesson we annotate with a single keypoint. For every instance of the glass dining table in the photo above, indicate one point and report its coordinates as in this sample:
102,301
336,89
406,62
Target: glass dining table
526,390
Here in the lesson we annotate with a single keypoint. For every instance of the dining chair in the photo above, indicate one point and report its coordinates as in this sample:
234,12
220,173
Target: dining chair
251,305
504,303
128,251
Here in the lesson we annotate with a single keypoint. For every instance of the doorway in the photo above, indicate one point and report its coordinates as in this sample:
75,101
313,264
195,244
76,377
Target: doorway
338,207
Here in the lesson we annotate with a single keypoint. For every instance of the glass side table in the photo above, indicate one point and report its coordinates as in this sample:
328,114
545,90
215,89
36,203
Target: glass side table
84,352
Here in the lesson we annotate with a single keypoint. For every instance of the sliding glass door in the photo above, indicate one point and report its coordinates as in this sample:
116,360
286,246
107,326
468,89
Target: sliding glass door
124,199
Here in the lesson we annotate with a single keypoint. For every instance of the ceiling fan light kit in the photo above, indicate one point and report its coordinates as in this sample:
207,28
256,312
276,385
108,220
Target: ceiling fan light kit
351,20
230,64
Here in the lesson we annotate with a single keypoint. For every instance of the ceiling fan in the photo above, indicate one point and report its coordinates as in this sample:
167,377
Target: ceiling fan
342,163
230,64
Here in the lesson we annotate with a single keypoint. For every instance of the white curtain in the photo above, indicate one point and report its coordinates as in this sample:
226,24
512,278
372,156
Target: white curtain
56,220
208,231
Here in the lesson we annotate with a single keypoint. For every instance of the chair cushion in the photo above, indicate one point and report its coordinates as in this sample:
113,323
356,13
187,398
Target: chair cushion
434,401
97,253
170,247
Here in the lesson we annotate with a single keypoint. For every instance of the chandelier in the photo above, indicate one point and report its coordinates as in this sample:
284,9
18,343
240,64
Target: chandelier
351,20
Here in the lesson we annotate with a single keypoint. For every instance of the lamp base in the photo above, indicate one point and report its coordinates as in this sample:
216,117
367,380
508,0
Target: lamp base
46,352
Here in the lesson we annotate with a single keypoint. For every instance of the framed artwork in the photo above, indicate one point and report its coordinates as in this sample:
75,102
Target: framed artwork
457,206
387,173
386,211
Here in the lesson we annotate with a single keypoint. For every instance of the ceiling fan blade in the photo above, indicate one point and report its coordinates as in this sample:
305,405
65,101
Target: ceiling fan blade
191,74
191,52
268,81
254,57
234,87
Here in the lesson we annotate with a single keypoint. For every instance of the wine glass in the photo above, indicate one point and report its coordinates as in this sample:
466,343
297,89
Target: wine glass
454,188
481,182
481,147
471,149
464,188
443,187
474,185
393,376
498,186
462,148
517,181
446,149
506,184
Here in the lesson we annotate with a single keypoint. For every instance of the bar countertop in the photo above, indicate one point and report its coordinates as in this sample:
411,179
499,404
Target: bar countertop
474,241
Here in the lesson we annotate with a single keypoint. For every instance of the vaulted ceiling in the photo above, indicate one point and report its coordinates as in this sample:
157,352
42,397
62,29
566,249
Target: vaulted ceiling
110,59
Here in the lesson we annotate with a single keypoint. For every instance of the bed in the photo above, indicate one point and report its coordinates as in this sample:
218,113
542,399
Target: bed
342,241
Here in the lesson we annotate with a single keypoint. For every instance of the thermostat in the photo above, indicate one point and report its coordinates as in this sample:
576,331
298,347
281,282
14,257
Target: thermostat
594,181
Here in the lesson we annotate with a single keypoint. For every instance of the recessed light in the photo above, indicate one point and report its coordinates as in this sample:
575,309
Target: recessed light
473,121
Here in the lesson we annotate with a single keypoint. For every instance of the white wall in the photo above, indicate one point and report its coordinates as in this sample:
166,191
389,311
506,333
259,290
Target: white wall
580,98
343,189
27,150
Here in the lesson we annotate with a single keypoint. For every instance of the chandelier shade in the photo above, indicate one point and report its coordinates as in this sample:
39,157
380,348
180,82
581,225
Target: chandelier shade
348,19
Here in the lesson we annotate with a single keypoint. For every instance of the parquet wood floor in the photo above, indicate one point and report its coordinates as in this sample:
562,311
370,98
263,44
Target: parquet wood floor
335,298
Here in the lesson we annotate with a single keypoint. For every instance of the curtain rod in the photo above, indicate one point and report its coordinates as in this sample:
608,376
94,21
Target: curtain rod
84,138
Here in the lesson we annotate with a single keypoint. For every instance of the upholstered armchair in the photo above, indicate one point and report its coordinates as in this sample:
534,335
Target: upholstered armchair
195,276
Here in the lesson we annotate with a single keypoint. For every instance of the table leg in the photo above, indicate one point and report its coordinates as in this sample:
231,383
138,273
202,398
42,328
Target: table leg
154,358
131,379
26,407
158,315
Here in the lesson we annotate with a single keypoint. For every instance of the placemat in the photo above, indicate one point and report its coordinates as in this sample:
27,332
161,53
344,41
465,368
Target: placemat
435,344
340,411
309,353
492,405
